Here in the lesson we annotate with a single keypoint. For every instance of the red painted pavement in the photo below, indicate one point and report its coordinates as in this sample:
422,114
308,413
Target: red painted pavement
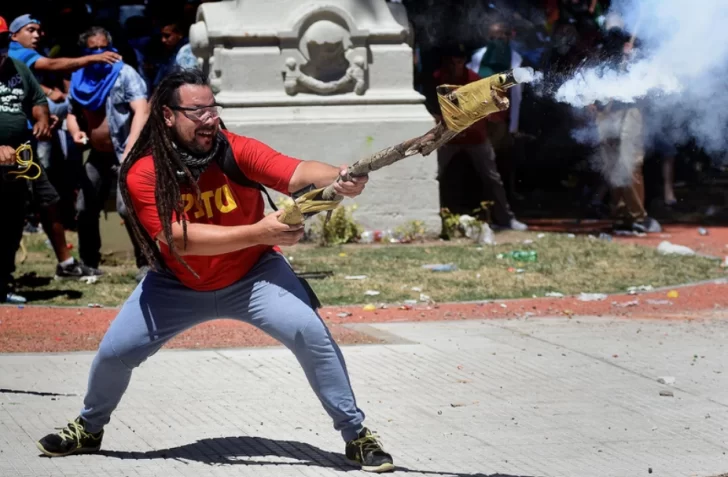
45,329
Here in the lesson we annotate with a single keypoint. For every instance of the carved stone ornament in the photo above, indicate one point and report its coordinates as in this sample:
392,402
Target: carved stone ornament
331,65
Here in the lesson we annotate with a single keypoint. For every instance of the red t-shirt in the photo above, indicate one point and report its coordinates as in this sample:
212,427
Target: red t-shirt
223,202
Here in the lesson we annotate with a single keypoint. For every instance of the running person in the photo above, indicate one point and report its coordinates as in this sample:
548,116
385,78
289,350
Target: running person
216,258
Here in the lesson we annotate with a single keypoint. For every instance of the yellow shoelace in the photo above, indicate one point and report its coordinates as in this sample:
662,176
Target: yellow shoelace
368,443
73,431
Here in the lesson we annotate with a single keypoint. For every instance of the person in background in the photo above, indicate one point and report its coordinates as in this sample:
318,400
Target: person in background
621,149
669,152
108,109
177,48
474,141
138,30
21,100
665,150
495,57
584,15
25,35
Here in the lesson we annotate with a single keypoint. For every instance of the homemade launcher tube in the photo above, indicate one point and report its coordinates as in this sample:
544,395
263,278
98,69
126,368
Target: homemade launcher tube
461,107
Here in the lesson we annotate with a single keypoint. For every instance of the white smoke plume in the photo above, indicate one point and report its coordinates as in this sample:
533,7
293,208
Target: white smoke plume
679,77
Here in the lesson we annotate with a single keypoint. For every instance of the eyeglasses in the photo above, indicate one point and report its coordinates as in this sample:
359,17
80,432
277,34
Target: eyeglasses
200,113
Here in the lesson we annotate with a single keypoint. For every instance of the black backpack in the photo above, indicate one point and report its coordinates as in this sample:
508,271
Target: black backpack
230,168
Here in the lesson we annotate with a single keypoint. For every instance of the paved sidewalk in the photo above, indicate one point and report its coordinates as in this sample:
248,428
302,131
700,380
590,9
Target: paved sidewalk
541,397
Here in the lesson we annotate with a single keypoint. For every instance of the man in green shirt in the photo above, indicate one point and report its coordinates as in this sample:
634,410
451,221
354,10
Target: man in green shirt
21,100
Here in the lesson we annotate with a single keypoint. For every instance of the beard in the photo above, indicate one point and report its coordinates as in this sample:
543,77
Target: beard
202,142
198,156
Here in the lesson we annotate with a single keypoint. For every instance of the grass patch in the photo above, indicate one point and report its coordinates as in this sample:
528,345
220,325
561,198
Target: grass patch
565,265
568,266
34,277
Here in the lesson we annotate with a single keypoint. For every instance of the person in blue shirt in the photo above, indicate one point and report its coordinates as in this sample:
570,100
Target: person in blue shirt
108,110
178,50
25,35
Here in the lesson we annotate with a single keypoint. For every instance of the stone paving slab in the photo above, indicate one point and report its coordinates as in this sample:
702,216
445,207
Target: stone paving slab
508,398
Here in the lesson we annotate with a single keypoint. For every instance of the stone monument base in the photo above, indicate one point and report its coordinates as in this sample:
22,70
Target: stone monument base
327,80
343,134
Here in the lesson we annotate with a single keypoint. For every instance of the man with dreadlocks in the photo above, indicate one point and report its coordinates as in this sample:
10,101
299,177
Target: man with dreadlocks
215,256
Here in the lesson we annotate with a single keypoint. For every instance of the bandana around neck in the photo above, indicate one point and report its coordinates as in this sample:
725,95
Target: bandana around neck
197,163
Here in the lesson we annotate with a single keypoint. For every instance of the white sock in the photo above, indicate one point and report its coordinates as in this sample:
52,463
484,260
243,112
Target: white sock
68,262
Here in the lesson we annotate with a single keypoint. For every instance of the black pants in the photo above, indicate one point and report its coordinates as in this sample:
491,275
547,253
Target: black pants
43,193
98,180
63,167
14,196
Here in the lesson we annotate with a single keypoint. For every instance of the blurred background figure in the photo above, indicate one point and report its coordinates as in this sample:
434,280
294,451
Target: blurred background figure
473,144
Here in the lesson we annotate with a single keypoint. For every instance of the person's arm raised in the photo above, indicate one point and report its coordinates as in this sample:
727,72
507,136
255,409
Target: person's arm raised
72,64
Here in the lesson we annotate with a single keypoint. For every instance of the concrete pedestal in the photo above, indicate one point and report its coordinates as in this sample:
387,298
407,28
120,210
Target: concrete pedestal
329,80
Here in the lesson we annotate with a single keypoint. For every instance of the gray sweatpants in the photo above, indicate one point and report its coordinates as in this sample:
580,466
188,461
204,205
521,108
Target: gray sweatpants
269,297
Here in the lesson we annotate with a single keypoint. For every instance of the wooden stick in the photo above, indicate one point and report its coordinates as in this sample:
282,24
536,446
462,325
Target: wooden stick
424,145
480,99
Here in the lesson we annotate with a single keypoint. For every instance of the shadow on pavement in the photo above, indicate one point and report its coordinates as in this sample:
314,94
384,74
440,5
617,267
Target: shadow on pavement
249,450
28,283
32,393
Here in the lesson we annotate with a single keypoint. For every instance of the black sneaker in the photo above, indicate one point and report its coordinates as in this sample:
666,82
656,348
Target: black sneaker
76,270
73,439
367,452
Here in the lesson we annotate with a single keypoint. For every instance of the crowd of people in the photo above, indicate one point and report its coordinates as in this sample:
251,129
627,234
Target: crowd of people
96,64
555,37
149,118
93,74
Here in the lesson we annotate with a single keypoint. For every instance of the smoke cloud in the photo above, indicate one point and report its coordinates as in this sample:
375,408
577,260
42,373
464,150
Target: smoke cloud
678,79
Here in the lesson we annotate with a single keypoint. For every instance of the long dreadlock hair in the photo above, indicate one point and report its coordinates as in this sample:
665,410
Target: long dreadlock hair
156,139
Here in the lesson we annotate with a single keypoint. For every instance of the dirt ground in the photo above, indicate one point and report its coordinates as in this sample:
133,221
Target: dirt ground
48,329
